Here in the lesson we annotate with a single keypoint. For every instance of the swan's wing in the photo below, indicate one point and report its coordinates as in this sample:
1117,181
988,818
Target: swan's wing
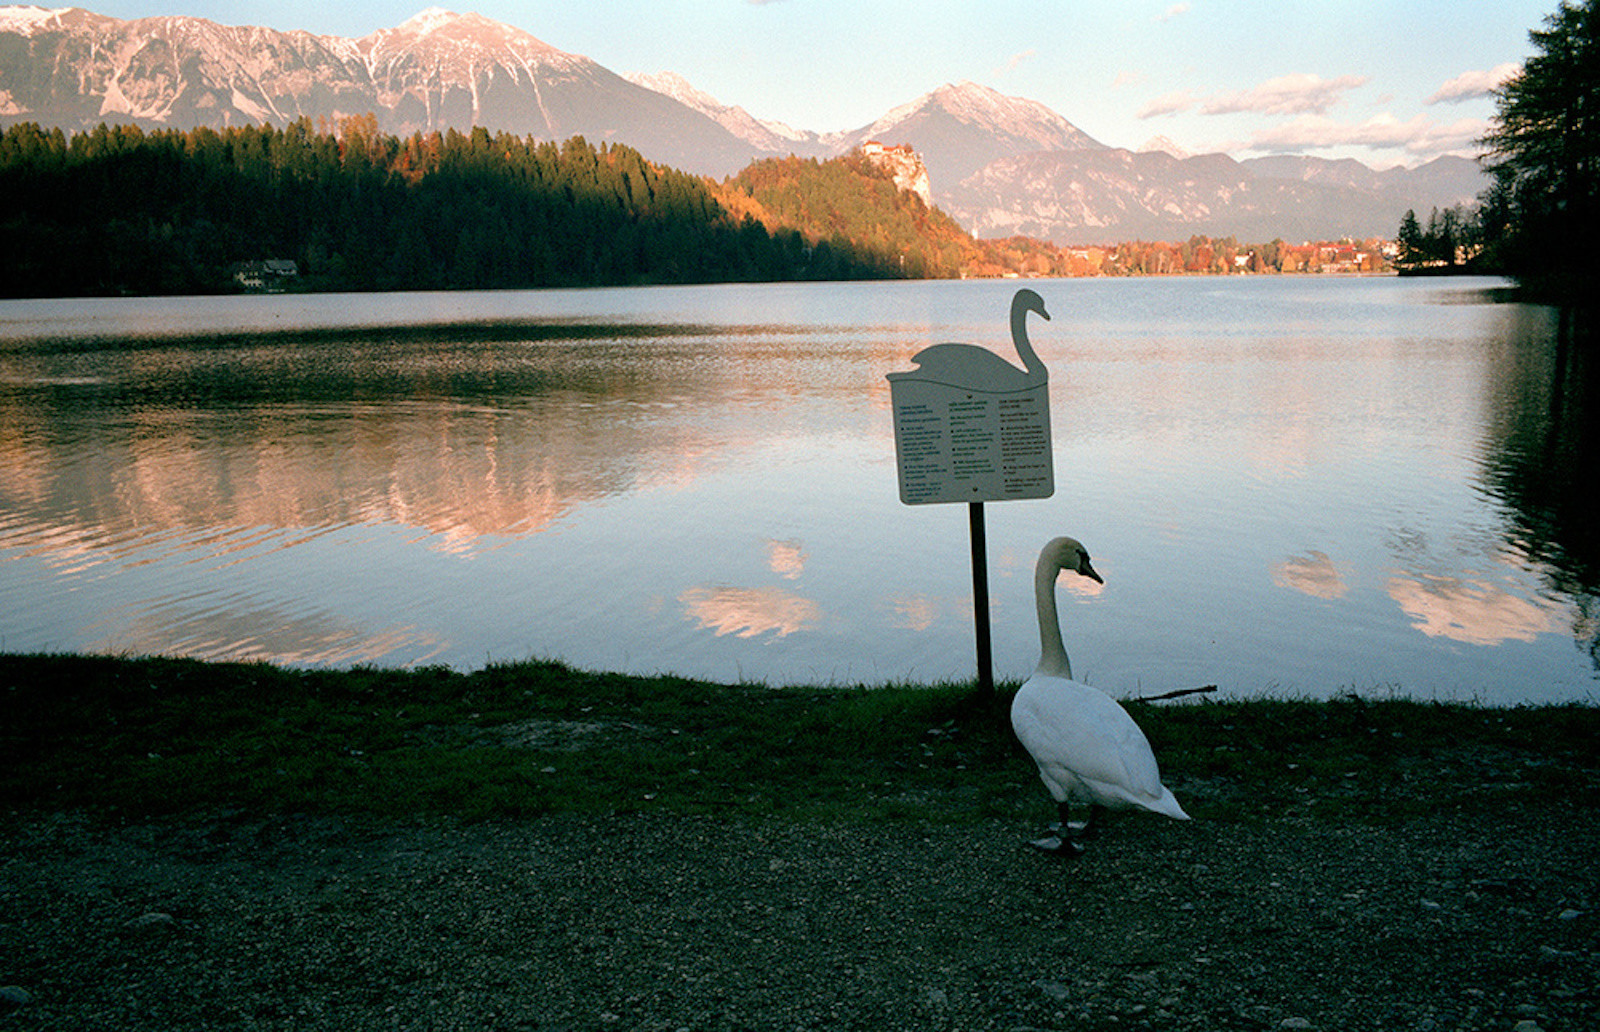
933,352
1072,730
1141,772
967,366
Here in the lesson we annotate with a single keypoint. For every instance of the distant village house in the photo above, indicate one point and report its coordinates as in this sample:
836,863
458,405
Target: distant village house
270,275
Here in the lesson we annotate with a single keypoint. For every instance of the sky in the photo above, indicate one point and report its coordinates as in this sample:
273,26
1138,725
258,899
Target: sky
1388,82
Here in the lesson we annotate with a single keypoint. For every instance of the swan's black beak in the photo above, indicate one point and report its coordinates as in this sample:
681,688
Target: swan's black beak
1089,571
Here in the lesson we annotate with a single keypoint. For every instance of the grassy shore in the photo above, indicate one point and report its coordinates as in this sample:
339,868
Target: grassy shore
196,846
152,737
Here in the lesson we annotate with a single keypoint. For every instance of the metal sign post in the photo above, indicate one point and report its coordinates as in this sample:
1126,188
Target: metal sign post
971,427
980,590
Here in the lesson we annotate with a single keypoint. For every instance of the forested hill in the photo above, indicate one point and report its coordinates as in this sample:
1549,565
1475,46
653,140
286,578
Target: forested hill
118,210
851,200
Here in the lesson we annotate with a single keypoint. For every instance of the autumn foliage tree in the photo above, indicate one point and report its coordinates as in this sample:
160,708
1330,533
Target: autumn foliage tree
852,208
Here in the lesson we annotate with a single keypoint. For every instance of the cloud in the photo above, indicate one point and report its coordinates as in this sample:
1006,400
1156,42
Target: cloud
1127,78
1167,104
1311,131
1017,59
1297,94
1173,12
1419,135
1460,135
1469,85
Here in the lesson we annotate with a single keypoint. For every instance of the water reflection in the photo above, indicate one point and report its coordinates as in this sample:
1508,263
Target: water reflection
1313,574
463,477
240,628
1473,610
1542,426
786,558
467,445
1290,486
749,612
913,612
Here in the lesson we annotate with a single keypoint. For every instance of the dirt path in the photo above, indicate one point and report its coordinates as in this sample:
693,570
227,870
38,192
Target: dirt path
660,922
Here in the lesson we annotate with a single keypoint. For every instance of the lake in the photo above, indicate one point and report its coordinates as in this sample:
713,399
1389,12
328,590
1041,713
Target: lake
1293,486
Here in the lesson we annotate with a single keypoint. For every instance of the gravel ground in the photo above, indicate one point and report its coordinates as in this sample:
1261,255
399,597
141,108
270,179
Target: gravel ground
650,921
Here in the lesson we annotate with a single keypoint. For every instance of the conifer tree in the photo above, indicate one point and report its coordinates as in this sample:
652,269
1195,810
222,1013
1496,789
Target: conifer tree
1544,152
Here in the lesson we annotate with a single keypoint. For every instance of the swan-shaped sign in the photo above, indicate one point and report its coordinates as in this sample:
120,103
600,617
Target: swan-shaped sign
971,427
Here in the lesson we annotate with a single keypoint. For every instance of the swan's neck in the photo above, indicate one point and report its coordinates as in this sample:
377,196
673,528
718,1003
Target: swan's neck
1019,337
1052,654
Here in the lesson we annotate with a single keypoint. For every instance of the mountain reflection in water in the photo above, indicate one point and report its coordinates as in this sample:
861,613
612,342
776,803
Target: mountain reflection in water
1292,485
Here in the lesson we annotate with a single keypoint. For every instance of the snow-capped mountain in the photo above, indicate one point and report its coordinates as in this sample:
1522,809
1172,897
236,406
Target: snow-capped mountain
1165,146
762,134
1108,195
438,70
999,164
960,128
1442,182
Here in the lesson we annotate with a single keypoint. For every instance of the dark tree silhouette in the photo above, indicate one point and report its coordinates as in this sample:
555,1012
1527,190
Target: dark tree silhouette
1544,152
116,211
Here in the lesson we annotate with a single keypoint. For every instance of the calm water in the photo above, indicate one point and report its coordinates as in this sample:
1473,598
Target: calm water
1292,486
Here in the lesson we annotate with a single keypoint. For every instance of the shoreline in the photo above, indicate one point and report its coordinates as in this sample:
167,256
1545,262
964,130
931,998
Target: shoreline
187,845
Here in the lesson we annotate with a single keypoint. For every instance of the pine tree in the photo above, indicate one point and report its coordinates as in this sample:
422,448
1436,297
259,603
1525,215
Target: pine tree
1544,148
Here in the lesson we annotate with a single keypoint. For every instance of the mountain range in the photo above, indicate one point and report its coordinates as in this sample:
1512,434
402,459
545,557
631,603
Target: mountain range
999,165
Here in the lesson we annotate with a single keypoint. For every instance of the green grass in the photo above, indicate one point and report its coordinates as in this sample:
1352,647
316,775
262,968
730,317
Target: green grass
145,737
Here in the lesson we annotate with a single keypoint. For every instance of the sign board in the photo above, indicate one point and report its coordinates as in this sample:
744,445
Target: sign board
960,444
971,427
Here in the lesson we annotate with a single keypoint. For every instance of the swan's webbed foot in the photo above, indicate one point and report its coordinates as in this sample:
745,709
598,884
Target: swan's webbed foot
1066,835
1057,845
1063,836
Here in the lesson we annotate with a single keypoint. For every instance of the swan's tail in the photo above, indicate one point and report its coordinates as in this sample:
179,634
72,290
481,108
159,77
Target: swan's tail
1168,804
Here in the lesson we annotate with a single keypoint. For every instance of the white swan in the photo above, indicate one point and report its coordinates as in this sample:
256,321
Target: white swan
1086,745
974,367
